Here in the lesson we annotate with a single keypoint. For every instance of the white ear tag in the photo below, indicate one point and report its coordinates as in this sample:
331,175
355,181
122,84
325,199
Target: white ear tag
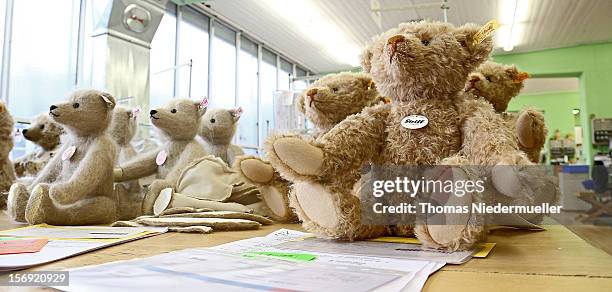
414,122
238,112
68,153
161,157
135,113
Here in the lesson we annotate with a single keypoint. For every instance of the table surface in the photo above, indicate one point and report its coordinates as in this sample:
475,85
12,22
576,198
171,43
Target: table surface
551,260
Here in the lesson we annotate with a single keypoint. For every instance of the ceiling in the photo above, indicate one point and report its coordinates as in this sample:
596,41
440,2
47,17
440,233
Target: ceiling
546,23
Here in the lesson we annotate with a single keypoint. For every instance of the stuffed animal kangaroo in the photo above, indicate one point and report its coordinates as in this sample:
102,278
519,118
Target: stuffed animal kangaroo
325,103
76,186
498,84
45,133
178,123
423,68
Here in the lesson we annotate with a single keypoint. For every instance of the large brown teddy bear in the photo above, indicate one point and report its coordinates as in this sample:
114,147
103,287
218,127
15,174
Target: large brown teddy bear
499,83
325,103
7,173
178,123
217,130
46,134
423,68
76,186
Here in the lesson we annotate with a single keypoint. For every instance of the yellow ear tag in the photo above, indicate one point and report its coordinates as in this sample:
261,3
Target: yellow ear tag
485,31
521,76
370,84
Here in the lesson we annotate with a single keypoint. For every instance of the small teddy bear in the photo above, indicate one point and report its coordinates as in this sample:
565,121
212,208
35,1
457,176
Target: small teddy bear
123,129
7,173
423,68
46,134
217,130
326,102
178,123
76,186
498,84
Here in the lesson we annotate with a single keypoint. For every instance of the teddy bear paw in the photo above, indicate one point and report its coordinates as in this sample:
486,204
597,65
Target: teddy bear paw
256,170
38,204
299,155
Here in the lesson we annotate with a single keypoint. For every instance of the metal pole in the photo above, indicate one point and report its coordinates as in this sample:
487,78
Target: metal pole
6,50
190,64
177,39
211,33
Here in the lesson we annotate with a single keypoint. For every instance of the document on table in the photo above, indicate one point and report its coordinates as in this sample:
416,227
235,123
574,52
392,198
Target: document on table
260,263
65,242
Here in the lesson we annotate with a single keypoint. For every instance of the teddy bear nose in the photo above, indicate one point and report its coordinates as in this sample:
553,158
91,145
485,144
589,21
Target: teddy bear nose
311,92
152,112
212,121
52,107
395,39
24,131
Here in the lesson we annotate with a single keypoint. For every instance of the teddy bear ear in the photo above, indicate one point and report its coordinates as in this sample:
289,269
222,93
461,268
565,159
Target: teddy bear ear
201,106
109,100
520,77
236,113
2,107
477,40
366,60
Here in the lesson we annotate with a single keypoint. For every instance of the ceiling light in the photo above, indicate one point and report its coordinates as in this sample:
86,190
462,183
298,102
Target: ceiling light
512,15
308,19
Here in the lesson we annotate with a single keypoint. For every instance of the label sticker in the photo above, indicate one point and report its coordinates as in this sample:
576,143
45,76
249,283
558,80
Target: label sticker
414,122
485,31
161,157
68,153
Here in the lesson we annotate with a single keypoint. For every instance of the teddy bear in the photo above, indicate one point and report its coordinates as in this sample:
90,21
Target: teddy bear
7,172
76,186
217,130
177,122
325,103
423,68
123,129
499,83
46,134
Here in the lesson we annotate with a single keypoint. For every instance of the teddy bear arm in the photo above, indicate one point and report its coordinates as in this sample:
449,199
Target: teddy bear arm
354,141
139,167
49,172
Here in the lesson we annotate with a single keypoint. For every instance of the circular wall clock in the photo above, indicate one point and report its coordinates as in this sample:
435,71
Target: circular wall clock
136,18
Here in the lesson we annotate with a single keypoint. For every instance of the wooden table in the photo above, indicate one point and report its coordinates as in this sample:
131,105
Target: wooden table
552,260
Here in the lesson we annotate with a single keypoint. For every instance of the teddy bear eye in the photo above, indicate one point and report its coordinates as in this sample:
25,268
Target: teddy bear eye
335,89
173,111
488,78
42,127
425,42
76,105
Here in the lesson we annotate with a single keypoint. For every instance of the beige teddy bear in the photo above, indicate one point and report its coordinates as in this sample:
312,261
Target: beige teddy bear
423,68
325,103
498,84
76,186
46,134
178,123
7,173
217,130
123,129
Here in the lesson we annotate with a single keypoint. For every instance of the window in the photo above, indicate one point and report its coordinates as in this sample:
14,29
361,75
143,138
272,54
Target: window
300,84
268,86
42,56
247,93
193,46
284,76
2,20
162,60
223,75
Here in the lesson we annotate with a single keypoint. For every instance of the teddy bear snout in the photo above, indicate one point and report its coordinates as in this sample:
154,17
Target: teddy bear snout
51,109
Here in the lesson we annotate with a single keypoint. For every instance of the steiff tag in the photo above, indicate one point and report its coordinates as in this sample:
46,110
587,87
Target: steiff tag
135,112
204,103
485,31
414,122
68,153
161,157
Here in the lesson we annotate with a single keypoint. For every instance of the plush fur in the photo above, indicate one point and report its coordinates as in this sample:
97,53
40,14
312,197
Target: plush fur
77,190
177,123
217,130
7,173
45,133
498,84
422,67
326,102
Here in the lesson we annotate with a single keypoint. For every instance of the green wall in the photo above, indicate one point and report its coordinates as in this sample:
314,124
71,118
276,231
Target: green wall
591,63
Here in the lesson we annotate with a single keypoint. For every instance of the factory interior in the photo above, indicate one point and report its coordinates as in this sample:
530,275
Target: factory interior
306,145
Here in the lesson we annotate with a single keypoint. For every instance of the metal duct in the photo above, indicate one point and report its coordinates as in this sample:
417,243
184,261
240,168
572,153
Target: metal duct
121,47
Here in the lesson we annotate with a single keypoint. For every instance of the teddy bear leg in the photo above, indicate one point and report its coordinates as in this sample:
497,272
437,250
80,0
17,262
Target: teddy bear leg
531,132
129,203
89,211
39,207
331,214
151,195
274,189
17,202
